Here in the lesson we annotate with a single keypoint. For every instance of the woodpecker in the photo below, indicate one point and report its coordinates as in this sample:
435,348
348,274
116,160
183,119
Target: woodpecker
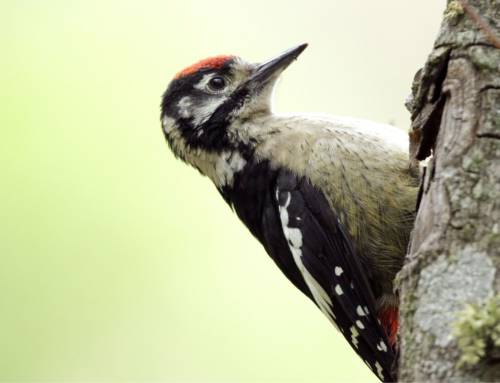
331,199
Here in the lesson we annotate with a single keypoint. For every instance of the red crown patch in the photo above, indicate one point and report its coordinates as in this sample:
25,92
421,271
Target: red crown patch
211,63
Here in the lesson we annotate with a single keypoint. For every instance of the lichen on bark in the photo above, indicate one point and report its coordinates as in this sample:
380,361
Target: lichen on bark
477,331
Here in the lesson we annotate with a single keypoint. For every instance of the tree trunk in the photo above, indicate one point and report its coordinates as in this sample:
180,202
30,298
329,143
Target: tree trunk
450,284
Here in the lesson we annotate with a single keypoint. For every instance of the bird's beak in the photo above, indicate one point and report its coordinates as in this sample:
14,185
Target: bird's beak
271,69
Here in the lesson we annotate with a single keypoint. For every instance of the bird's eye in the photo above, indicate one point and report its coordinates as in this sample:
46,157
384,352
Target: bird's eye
217,83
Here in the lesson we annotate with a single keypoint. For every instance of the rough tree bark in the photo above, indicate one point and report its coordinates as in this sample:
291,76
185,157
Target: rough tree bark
450,284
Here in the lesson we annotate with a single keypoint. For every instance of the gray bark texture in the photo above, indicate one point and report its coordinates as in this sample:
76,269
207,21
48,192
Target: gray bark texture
450,284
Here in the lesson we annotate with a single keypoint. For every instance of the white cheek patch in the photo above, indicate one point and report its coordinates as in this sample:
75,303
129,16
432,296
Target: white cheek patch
185,107
199,112
207,108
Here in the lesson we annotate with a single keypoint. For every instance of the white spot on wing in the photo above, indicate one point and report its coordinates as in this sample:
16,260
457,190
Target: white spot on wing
381,346
338,290
338,271
360,311
360,324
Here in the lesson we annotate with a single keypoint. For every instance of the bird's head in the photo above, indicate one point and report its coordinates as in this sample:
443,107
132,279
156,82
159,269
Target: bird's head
205,99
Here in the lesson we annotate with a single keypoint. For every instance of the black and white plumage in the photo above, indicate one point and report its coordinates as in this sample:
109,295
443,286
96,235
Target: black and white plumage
331,200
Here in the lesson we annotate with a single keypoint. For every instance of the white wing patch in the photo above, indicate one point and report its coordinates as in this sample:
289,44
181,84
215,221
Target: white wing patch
294,237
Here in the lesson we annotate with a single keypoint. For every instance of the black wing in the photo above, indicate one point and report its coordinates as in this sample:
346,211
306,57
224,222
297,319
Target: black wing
303,235
337,279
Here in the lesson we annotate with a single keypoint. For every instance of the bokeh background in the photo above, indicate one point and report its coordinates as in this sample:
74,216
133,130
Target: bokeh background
119,263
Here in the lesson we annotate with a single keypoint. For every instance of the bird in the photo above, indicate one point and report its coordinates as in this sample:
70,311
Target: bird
331,199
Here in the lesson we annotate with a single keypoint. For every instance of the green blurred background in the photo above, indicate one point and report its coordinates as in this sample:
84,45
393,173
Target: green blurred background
119,263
